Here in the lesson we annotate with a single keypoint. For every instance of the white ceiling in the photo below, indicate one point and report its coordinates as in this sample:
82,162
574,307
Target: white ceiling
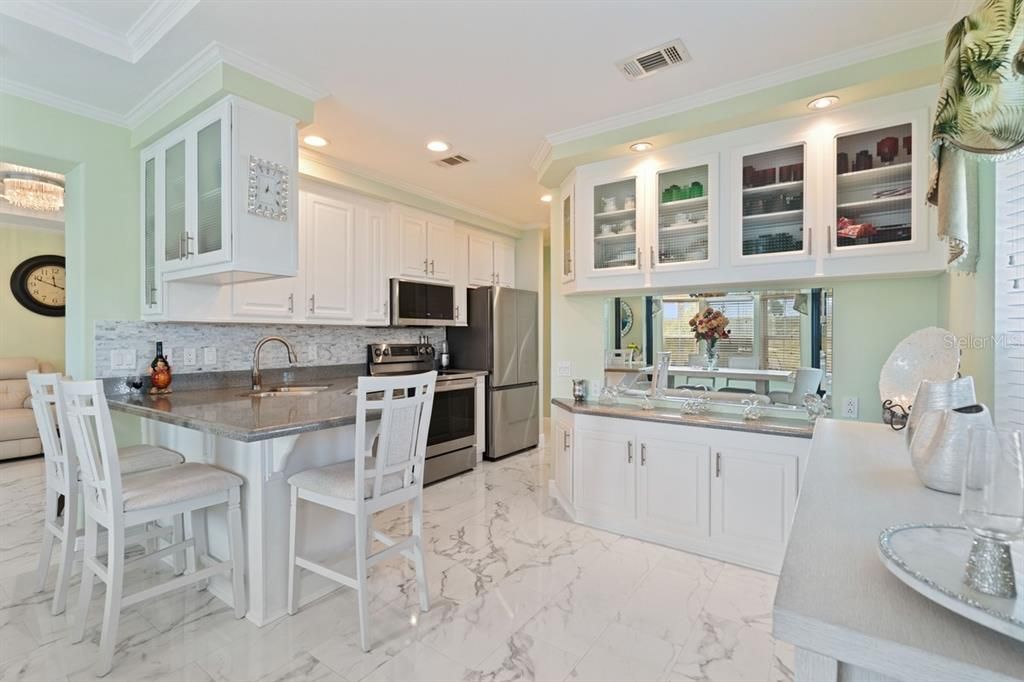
493,78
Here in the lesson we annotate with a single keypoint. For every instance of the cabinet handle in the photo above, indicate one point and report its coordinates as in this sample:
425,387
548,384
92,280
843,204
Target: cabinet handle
810,241
639,261
431,267
425,266
643,454
565,440
456,313
653,261
718,465
312,303
291,303
629,452
828,244
188,248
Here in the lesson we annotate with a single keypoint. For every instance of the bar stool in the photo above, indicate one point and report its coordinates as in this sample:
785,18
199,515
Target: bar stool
117,503
388,479
62,478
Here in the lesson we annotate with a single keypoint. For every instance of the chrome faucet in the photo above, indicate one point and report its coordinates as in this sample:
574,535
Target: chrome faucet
256,379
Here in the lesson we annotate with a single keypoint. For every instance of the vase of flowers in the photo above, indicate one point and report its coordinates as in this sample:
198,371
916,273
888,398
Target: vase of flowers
709,326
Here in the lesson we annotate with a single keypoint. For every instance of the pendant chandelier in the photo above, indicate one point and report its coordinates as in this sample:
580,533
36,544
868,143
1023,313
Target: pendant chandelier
32,189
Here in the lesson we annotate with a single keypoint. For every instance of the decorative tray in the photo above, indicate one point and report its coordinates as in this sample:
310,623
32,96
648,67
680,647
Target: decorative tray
930,559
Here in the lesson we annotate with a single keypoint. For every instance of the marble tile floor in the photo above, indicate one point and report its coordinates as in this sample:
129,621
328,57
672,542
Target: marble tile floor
517,593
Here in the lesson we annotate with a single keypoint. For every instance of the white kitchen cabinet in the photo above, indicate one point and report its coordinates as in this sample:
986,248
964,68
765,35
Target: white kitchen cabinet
152,232
371,251
491,260
331,259
268,299
426,244
654,221
562,456
753,497
673,486
200,190
604,475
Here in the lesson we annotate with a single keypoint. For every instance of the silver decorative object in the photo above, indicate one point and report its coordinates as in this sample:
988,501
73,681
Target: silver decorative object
579,390
930,353
939,448
939,395
752,411
990,568
815,406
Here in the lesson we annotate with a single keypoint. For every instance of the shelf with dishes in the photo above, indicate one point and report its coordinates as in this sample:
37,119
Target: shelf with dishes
876,204
773,218
615,236
775,187
616,213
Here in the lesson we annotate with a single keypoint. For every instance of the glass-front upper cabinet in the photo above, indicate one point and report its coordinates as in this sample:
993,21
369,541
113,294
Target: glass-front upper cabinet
175,207
568,227
615,225
152,302
773,202
209,217
873,188
684,217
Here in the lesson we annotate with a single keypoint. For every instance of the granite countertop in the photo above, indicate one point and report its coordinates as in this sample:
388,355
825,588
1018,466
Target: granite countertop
219,403
774,426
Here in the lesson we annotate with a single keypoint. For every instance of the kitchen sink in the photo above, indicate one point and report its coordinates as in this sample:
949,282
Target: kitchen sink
281,391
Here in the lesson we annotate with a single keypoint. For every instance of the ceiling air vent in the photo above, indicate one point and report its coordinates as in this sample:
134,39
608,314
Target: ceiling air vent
649,62
453,160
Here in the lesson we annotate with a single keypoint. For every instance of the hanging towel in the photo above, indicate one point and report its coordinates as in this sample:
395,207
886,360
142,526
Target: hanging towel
980,110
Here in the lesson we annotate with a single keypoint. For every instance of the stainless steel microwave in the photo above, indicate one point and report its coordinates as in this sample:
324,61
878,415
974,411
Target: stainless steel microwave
418,304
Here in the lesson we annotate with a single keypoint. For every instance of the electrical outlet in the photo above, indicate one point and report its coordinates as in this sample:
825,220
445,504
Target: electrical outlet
209,356
116,360
565,369
131,359
851,408
122,358
188,356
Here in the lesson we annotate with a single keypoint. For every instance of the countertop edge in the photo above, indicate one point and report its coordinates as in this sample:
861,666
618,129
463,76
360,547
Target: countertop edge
589,408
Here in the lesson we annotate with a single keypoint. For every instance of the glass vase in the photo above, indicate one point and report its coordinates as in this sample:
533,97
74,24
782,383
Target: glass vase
711,353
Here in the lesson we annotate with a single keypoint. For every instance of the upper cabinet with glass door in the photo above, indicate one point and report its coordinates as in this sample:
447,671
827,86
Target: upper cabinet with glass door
224,196
615,226
684,235
772,203
874,189
568,236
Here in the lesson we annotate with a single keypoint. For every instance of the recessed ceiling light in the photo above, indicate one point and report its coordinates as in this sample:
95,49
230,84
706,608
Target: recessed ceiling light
641,146
315,141
546,198
823,102
437,146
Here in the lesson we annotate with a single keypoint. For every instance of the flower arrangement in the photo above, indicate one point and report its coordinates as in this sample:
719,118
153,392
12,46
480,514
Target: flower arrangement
710,326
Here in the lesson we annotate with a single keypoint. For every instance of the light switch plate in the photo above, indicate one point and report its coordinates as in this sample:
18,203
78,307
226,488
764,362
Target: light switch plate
188,356
209,356
565,369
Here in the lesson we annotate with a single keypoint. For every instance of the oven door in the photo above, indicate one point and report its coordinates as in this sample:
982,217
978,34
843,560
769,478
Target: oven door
453,419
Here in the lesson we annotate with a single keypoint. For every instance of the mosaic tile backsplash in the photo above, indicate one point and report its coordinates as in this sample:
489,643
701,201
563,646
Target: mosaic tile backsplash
233,344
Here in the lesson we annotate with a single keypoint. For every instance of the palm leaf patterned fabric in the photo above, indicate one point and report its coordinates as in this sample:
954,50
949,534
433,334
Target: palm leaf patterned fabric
980,109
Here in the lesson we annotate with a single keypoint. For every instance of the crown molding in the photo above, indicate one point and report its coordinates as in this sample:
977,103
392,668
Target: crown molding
540,155
67,104
156,22
152,25
882,48
407,187
269,73
187,74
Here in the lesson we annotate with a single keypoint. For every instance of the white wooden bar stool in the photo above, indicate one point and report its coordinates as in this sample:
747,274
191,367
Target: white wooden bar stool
391,478
116,503
62,478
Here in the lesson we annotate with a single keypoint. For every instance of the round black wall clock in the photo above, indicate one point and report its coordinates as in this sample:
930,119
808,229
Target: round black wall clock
39,284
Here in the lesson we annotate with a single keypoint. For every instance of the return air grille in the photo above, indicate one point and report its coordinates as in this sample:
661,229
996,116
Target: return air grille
651,61
453,160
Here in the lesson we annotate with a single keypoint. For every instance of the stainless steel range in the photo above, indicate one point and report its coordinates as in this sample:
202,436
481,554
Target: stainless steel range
452,437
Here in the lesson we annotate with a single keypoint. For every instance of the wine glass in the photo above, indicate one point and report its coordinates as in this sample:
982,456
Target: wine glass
992,505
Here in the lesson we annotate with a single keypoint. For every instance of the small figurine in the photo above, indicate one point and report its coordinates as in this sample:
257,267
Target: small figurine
160,372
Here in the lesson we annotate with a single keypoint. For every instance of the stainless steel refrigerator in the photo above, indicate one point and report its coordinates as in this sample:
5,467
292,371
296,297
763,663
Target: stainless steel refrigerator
502,339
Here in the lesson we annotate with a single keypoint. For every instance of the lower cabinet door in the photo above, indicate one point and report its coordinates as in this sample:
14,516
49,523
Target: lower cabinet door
672,489
277,298
562,465
753,497
603,475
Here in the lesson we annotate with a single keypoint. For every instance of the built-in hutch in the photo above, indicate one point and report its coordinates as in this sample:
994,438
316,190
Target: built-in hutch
830,194
326,259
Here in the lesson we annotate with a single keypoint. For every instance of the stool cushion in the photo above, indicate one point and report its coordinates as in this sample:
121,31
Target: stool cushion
136,458
338,480
175,484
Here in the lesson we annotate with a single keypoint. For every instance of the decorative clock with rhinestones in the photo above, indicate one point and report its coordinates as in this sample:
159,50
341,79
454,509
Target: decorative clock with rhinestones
268,189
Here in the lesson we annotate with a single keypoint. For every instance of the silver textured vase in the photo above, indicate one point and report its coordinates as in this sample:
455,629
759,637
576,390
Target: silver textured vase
938,395
939,447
